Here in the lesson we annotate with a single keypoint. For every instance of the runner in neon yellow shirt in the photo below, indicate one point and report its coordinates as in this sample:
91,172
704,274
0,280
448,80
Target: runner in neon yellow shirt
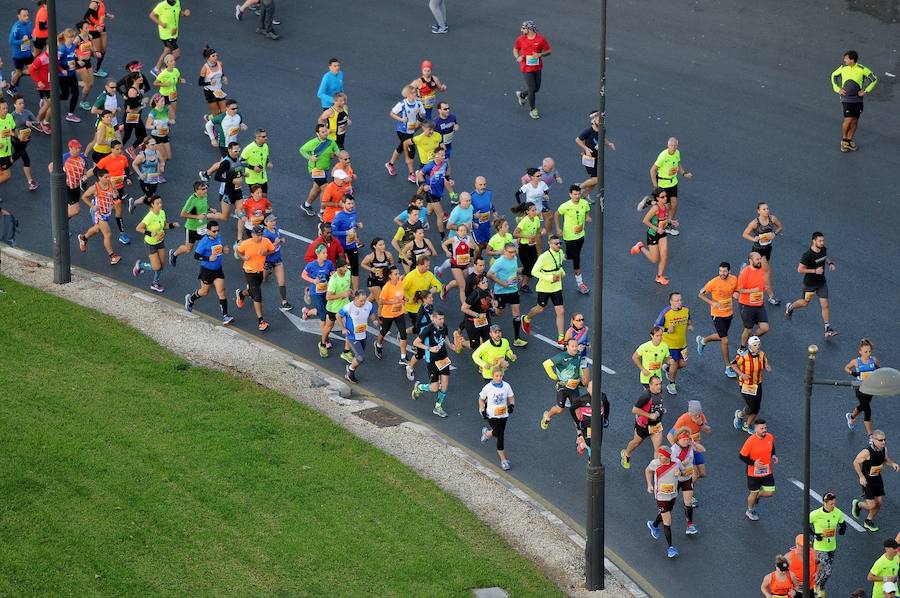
852,81
664,175
167,80
166,16
651,355
575,215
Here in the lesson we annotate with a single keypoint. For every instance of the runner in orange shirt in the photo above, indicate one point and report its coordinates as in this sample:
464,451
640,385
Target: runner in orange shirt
391,310
751,297
794,558
719,294
758,453
254,251
116,164
333,195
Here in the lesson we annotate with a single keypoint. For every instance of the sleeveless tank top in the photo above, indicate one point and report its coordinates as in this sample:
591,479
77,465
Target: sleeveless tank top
338,122
418,251
766,233
865,368
380,267
871,467
460,251
660,219
781,587
103,198
108,136
160,122
150,167
427,91
214,76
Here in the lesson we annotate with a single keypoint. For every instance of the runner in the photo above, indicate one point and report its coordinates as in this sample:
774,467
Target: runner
99,198
795,561
496,402
353,318
337,295
648,412
579,331
719,294
254,210
333,246
153,228
274,261
758,453
337,118
529,232
345,227
750,365
694,421
493,354
116,165
108,101
823,523
318,153
860,368
24,119
685,449
134,105
549,271
20,43
427,142
406,232
68,77
588,141
575,214
158,123
761,232
812,267
427,87
662,482
223,128
529,51
780,583
459,249
581,412
650,356
847,81
332,83
41,31
446,124
211,80
74,163
344,164
751,288
506,289
96,17
657,248
84,52
378,265
477,311
317,273
418,247
209,251
675,320
884,570
256,156
253,252
149,165
391,310
482,210
229,171
433,340
537,192
664,175
167,80
166,16
421,318
332,196
868,465
409,114
39,71
497,243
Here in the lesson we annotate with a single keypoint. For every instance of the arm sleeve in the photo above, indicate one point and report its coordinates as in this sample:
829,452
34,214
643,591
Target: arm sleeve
746,459
871,78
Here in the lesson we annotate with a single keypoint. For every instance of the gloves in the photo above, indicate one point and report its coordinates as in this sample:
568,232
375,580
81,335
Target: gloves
512,407
818,536
854,372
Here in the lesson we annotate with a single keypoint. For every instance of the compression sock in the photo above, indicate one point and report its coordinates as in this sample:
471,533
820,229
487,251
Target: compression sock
689,514
441,395
658,520
223,305
157,274
517,327
120,224
424,387
145,266
283,291
100,61
667,530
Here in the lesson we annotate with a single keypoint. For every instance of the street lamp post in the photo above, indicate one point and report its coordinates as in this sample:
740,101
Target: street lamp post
59,217
882,382
596,475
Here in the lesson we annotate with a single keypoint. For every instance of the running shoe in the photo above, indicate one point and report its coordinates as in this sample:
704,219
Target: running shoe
520,342
504,465
526,325
439,30
130,205
654,531
439,410
454,197
45,128
411,178
323,350
347,356
85,106
351,376
752,515
694,503
583,288
172,257
700,344
72,118
188,304
625,460
746,429
304,313
830,332
11,91
636,248
773,300
437,272
410,374
114,258
307,209
271,34
854,508
870,525
276,22
33,185
671,388
729,371
285,306
788,311
124,240
580,446
306,296
850,423
136,270
379,351
392,170
238,298
521,97
561,341
226,320
100,73
263,326
82,243
673,232
545,421
403,360
742,350
484,433
672,552
845,147
852,145
155,286
660,279
645,201
738,419
203,176
238,13
534,114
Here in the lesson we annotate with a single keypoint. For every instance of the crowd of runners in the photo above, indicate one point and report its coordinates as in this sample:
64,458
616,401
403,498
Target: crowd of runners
450,236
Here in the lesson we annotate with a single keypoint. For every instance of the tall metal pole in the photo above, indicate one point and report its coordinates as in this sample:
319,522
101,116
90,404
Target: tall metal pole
807,420
596,475
59,217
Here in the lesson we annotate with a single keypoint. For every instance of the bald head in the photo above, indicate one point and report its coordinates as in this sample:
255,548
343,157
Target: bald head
480,184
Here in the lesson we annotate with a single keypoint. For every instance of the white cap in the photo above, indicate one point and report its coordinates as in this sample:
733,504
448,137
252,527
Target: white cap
753,340
339,174
889,587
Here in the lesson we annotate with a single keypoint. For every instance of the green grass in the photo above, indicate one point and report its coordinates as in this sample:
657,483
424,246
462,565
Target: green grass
123,470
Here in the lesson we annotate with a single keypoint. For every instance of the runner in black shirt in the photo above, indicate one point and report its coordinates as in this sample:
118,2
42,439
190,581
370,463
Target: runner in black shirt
588,141
812,265
434,341
477,310
648,413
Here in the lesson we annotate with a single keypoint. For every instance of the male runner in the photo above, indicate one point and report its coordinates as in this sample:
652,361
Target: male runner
758,453
719,294
675,321
868,465
208,252
848,81
812,266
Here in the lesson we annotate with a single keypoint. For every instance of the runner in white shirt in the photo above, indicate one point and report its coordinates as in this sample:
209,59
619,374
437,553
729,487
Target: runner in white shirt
662,482
536,191
353,319
496,401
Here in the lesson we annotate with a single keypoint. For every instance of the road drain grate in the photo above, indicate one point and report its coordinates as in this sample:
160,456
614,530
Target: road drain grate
381,417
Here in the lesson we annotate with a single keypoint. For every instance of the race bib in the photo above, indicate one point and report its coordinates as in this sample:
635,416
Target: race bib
462,259
396,309
756,297
578,228
573,383
6,133
499,410
749,389
532,60
875,470
480,321
828,532
85,48
760,470
483,217
654,365
724,303
864,375
162,131
317,173
219,94
24,134
428,101
351,236
588,160
655,428
321,287
442,364
233,131
666,488
151,178
202,231
132,117
766,238
684,353
359,328
214,252
173,96
447,138
662,223
808,295
118,181
342,128
71,65
688,471
673,170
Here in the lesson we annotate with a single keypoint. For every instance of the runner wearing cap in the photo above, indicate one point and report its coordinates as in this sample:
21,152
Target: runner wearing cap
253,252
780,583
274,261
758,453
317,273
749,366
74,163
494,353
825,524
884,570
529,51
565,369
332,196
208,252
868,465
794,558
354,318
662,482
694,421
318,152
427,87
496,402
685,449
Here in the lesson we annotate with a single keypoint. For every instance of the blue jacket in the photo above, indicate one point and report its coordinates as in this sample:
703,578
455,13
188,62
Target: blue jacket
330,85
16,33
342,223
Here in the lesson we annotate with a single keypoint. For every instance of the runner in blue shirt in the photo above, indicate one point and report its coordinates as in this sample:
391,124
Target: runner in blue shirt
208,251
482,212
504,274
274,261
316,273
434,176
354,320
345,228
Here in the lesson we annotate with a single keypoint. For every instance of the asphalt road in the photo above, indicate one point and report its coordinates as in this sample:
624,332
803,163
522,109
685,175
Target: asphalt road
743,86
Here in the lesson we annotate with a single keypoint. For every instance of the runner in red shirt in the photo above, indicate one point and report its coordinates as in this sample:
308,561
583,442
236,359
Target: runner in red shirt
529,51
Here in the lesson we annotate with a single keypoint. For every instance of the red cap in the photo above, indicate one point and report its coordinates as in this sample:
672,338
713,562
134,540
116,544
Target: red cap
74,143
664,451
426,64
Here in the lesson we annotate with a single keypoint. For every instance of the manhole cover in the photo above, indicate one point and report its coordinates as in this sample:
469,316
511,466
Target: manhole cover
381,417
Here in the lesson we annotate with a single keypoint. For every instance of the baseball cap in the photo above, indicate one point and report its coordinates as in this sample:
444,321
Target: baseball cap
74,143
495,327
426,64
889,587
257,230
694,407
271,218
340,173
664,451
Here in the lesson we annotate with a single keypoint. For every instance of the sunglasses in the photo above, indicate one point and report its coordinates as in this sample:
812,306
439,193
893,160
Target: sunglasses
578,320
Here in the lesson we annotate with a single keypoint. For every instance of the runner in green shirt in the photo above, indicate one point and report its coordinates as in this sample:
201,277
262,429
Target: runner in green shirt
528,231
167,80
650,356
825,524
318,153
7,130
885,568
575,215
567,370
664,175
851,81
548,269
153,228
196,214
337,296
166,16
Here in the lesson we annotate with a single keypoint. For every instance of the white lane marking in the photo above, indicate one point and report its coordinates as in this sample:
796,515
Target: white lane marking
553,343
850,521
295,236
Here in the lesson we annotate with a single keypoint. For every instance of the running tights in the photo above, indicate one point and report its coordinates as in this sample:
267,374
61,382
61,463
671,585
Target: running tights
498,429
533,83
68,90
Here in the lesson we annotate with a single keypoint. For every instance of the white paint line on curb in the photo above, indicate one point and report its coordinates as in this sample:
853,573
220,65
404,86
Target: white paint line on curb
818,497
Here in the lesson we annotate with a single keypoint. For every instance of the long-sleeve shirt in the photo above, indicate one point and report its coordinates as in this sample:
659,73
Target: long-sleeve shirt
864,78
20,47
330,85
548,264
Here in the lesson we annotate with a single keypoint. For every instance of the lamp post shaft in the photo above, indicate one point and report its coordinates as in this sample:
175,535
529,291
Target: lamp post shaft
807,422
596,475
59,217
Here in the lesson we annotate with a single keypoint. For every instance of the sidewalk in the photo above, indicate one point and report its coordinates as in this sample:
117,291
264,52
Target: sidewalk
529,527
